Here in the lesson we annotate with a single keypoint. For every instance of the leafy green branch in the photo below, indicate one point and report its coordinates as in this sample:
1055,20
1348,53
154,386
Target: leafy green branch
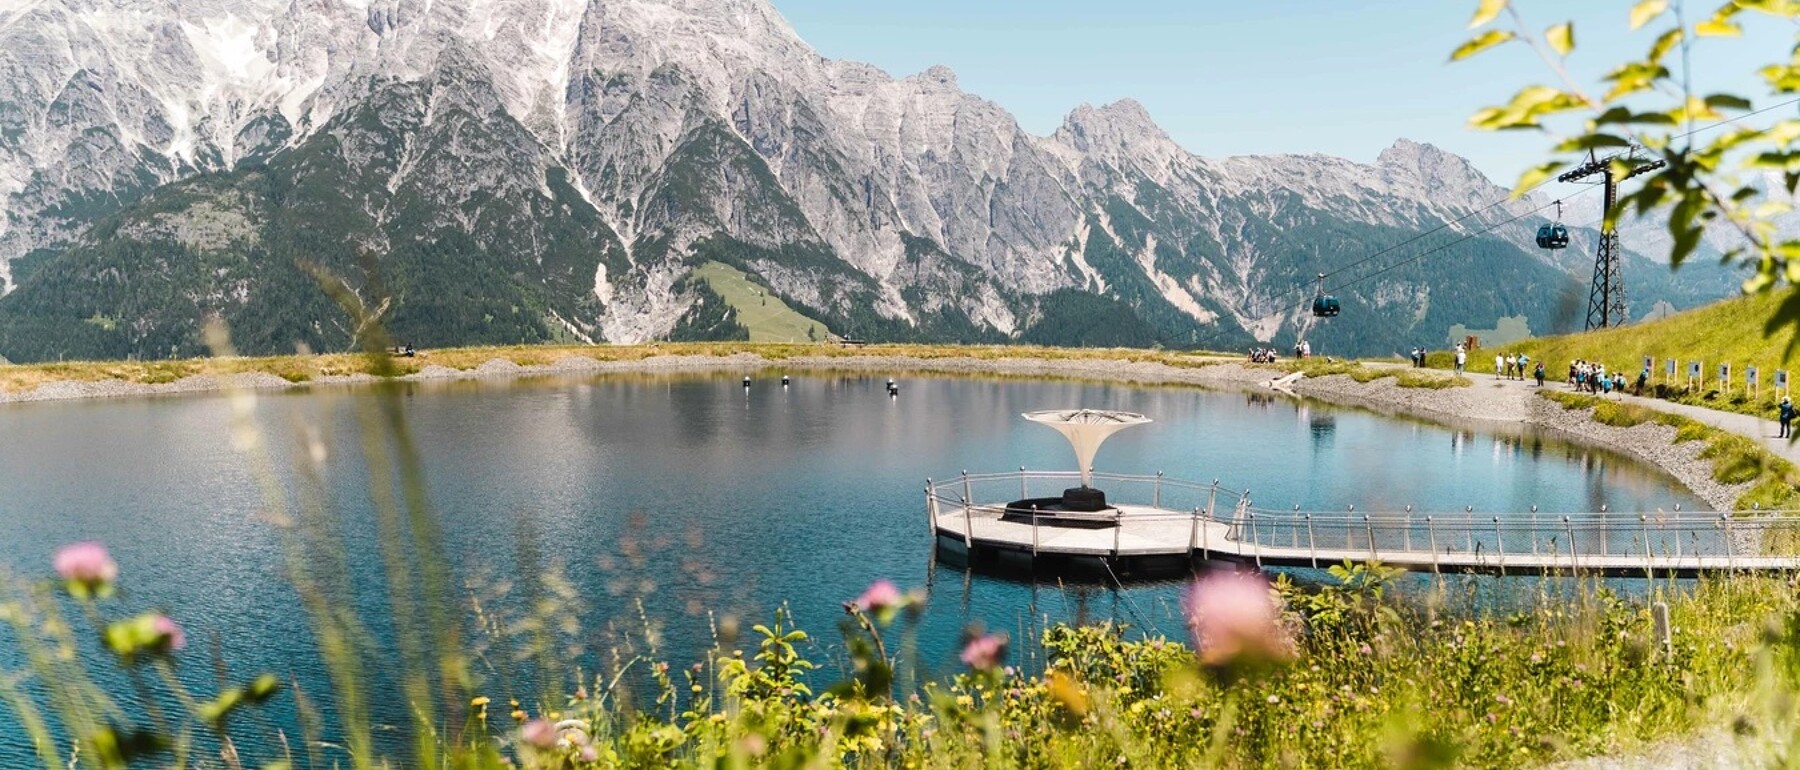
1643,112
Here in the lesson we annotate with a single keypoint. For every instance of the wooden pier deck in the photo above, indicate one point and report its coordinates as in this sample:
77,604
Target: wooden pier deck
1176,522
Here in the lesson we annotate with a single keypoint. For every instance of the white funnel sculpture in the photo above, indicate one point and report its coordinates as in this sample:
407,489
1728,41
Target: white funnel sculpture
1086,429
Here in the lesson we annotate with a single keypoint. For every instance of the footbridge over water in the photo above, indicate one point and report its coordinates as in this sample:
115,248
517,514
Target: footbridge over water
1156,522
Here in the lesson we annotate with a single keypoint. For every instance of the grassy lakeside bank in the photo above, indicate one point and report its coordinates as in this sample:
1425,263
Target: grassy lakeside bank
1405,377
1735,459
1729,332
306,367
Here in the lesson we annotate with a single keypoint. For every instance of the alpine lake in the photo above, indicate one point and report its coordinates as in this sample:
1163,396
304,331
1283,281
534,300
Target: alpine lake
671,506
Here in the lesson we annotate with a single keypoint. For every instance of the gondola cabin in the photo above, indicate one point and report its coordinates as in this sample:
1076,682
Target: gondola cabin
1325,306
1552,237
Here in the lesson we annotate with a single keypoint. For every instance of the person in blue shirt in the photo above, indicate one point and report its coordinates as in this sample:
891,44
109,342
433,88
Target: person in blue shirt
1786,414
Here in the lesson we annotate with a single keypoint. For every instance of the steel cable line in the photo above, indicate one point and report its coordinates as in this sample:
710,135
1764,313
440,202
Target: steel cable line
1301,289
1428,252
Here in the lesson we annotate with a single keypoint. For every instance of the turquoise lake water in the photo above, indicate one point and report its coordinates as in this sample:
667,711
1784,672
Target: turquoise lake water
694,498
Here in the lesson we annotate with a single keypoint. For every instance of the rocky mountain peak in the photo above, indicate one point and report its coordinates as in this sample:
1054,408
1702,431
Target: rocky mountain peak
1121,135
939,74
1443,174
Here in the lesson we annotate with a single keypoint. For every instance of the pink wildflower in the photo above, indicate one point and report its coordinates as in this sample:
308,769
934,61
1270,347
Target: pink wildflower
984,652
1232,616
169,636
880,595
539,732
86,563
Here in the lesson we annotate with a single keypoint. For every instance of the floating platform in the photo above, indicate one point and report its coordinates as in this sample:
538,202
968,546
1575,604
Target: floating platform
1155,524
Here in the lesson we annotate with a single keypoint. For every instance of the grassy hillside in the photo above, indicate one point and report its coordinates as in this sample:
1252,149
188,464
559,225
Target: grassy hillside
1731,331
764,314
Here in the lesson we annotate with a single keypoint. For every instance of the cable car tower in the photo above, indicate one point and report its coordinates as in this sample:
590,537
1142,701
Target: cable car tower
1606,298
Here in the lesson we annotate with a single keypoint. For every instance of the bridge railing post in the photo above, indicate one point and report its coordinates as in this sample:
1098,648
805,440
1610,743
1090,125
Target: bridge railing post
1193,531
1649,557
1603,527
1369,527
1156,491
1431,531
1406,532
1349,535
1034,529
1469,524
1574,560
1500,544
1730,548
931,507
1024,484
968,523
1205,533
1211,497
1255,538
1534,531
1312,546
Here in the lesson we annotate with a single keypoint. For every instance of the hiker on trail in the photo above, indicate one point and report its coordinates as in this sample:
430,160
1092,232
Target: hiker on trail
1786,414
1462,358
1643,377
1540,374
1524,361
1605,385
1499,363
1619,383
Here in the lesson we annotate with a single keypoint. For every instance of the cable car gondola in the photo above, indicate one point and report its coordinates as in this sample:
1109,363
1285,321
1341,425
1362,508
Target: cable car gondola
1554,235
1324,305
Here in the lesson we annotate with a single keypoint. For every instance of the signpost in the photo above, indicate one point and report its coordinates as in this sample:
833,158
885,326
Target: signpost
1724,378
1668,371
1781,385
1693,372
1750,379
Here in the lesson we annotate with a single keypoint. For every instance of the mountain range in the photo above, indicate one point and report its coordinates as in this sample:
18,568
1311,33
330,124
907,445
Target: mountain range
507,171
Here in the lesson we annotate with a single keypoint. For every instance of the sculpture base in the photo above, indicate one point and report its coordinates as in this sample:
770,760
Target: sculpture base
1082,507
1083,500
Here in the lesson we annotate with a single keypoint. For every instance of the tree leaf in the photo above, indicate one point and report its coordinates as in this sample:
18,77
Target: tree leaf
1645,11
1587,142
1727,101
1717,28
1561,38
1623,115
1487,11
1533,177
1481,42
1664,43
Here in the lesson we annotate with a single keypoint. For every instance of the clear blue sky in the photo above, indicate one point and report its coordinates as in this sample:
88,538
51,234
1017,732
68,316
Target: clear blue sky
1345,77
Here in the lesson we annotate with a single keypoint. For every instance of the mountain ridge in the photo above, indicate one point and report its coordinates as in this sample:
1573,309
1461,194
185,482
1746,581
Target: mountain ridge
691,130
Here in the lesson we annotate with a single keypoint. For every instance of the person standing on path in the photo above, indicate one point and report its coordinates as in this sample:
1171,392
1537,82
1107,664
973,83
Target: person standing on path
1540,374
1786,413
1462,358
1499,364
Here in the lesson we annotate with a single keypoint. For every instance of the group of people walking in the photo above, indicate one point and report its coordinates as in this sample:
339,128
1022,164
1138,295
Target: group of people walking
1592,377
1262,355
1514,366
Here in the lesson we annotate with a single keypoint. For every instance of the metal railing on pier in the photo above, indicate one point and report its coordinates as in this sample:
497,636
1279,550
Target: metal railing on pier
1156,515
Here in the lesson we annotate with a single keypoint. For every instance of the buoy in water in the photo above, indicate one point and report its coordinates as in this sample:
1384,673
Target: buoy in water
893,389
746,383
785,381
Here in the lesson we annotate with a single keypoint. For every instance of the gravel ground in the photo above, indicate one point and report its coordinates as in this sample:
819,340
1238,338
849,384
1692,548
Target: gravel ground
1480,402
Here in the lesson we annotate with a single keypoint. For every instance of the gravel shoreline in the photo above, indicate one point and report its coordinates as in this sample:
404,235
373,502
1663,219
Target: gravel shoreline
1481,403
